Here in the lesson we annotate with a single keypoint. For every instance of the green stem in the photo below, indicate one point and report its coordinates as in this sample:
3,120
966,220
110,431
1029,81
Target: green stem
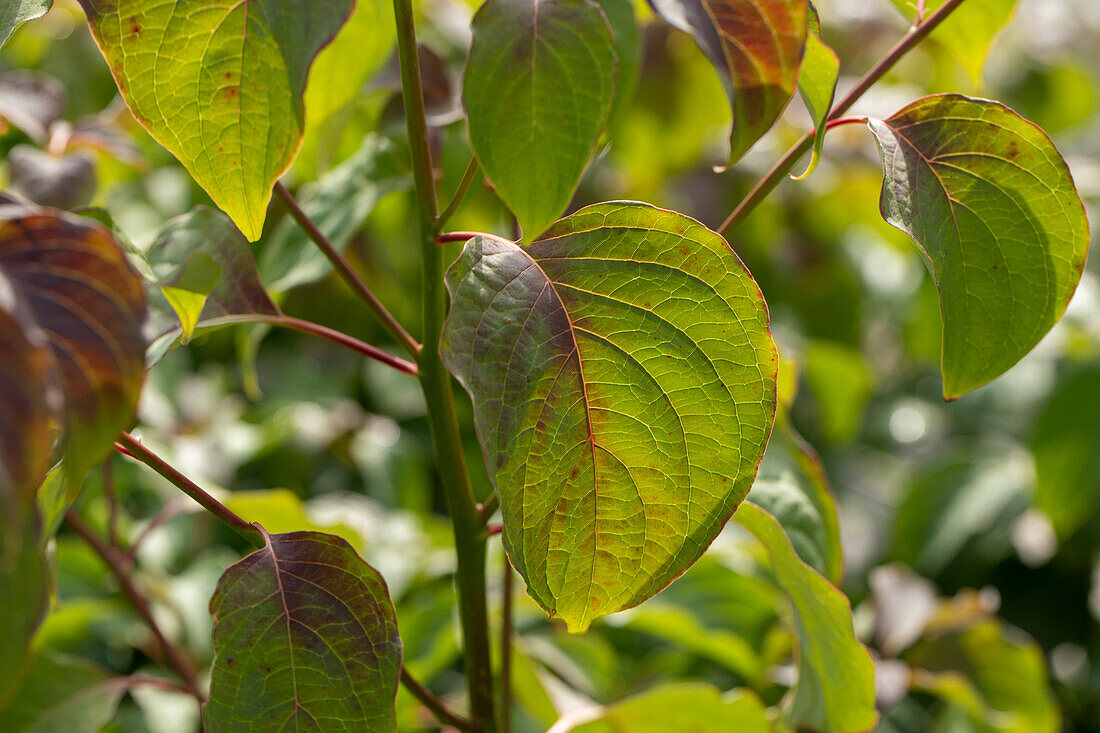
351,277
460,195
436,384
783,166
506,631
129,445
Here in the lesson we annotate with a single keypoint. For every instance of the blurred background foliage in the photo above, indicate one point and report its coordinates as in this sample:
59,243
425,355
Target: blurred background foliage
970,530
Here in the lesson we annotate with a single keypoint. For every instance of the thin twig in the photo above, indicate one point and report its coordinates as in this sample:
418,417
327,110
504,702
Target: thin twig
506,631
132,447
168,512
487,509
120,568
437,706
772,178
351,277
493,529
108,474
339,337
459,197
456,237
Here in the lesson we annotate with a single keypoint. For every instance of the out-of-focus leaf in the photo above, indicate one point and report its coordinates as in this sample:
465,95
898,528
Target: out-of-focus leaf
207,273
63,694
969,31
339,204
836,687
756,46
15,12
66,288
62,181
1066,446
227,101
841,383
624,27
304,634
817,85
54,496
280,510
620,428
24,589
993,207
529,691
32,101
538,90
687,706
991,671
793,488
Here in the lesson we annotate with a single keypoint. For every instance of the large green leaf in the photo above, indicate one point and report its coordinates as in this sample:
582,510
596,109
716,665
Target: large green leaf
62,694
756,46
623,380
817,85
70,298
1066,446
220,85
305,635
993,207
538,91
24,589
14,12
836,686
969,31
686,706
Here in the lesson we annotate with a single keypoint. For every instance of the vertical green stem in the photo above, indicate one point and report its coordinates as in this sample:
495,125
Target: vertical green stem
436,384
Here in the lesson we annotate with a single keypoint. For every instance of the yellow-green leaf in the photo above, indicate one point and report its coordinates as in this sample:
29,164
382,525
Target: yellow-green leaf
817,85
969,31
220,84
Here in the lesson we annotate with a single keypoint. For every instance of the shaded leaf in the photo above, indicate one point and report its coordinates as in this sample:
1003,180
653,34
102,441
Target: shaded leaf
24,588
836,687
538,90
841,383
969,31
227,101
817,85
32,101
63,694
993,207
624,29
73,291
61,181
15,12
1066,446
623,380
684,706
304,635
205,270
756,46
339,204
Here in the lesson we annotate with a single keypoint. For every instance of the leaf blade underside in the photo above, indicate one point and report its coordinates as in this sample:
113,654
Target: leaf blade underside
621,429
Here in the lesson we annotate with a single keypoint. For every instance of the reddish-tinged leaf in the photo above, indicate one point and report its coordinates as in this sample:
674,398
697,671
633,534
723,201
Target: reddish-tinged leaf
756,47
68,286
305,638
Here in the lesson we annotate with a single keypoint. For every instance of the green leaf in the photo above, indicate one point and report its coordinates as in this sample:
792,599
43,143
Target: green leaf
969,31
24,588
205,270
624,28
1066,447
684,706
227,99
993,207
54,496
817,85
339,204
793,488
63,694
538,90
836,687
841,383
990,670
305,634
280,510
756,46
68,295
623,380
15,12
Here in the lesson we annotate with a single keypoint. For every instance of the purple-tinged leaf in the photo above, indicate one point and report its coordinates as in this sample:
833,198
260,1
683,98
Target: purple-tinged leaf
305,637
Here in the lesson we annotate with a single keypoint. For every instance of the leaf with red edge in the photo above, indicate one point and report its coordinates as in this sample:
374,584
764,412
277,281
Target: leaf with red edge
67,291
305,637
756,46
624,386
